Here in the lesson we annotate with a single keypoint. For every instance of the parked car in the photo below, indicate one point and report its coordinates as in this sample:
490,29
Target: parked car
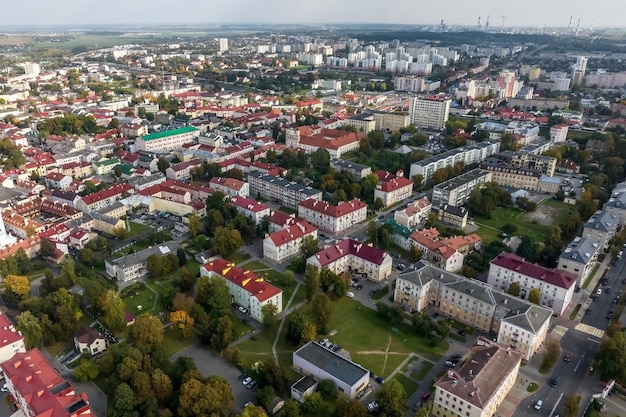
599,292
350,294
242,377
450,364
435,315
373,406
462,333
538,405
246,381
426,396
251,384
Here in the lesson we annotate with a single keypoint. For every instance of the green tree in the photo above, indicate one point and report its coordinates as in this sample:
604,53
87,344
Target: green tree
87,370
415,254
161,386
322,311
611,358
17,285
147,331
154,265
320,159
352,408
194,225
515,289
268,313
312,403
292,409
162,164
113,311
223,334
572,405
418,180
213,398
213,294
392,399
310,246
187,279
311,281
226,241
378,203
124,399
372,232
309,332
534,296
528,248
327,389
30,327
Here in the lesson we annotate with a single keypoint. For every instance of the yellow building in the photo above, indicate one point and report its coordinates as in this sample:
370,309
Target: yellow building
479,386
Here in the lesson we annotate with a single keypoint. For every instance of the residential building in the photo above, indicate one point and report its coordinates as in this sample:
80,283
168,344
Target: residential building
251,208
103,198
393,191
223,44
558,133
446,253
579,257
525,132
280,220
280,190
429,112
104,166
183,170
556,286
617,203
167,140
453,215
544,164
58,180
336,142
285,244
322,363
390,121
141,183
472,154
331,218
11,340
39,390
601,227
362,122
414,213
230,186
246,288
356,256
478,388
400,235
456,191
512,176
359,171
89,340
133,266
519,324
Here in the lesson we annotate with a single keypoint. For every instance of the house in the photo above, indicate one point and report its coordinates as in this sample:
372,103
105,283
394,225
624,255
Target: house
105,197
104,166
333,218
183,170
519,324
39,390
89,340
453,215
58,180
230,186
303,387
167,140
79,238
251,208
246,288
358,170
134,265
436,251
280,220
579,257
322,363
556,286
352,255
285,244
481,384
414,213
11,340
393,191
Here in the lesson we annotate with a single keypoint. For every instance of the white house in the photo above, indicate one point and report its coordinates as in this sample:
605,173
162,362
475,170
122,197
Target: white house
287,243
251,208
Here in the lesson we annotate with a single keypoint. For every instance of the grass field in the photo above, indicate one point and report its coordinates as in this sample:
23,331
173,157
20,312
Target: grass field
409,385
137,229
254,266
90,41
173,341
272,276
238,257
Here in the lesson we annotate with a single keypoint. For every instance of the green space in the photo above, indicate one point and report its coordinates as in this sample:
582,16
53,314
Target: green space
575,311
238,257
380,293
137,229
532,387
287,210
590,277
425,369
274,277
409,385
458,337
140,299
173,341
254,266
461,326
192,265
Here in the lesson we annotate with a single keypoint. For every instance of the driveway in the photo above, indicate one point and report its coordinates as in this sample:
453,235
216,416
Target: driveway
209,363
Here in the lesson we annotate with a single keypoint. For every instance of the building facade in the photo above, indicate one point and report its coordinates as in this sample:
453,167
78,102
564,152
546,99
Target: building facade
251,208
330,218
393,191
167,140
429,112
285,244
579,257
414,213
278,189
456,191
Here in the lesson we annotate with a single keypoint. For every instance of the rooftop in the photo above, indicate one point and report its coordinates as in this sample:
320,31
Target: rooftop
283,183
556,277
248,280
350,247
581,250
339,210
167,133
604,221
462,179
332,363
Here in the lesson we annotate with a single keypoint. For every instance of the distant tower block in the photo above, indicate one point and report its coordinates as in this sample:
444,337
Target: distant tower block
569,27
487,23
577,27
479,23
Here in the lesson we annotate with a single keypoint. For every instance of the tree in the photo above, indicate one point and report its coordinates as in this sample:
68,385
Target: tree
320,159
309,332
30,327
223,334
392,399
431,220
182,256
18,286
611,358
124,399
292,409
268,313
87,370
509,229
226,241
213,398
515,289
352,408
147,331
310,246
327,389
183,322
252,410
311,403
418,180
311,281
194,225
372,232
113,311
534,296
47,248
214,295
154,265
528,248
378,203
415,254
265,396
187,279
162,386
572,405
322,311
162,164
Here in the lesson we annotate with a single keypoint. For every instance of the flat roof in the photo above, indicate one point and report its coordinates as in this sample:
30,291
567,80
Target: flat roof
462,179
332,363
166,133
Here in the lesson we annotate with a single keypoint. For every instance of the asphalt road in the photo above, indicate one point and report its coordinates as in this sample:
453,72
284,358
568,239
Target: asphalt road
603,304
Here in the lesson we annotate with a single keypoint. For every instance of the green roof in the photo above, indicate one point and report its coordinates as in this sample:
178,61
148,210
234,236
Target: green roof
167,133
399,229
107,162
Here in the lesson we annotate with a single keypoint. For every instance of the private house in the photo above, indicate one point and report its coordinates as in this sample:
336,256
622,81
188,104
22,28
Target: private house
89,340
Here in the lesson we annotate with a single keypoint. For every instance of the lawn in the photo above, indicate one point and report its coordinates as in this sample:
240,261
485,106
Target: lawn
173,341
137,229
272,276
238,257
254,266
409,385
141,301
380,293
424,370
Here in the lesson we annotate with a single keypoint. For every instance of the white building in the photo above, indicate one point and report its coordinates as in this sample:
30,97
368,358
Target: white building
287,243
167,140
251,208
356,256
558,133
557,287
287,193
414,214
429,112
246,289
230,186
330,218
601,227
579,258
133,266
223,44
393,191
11,341
456,191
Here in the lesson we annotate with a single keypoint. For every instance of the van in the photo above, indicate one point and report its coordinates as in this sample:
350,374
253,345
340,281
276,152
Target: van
538,405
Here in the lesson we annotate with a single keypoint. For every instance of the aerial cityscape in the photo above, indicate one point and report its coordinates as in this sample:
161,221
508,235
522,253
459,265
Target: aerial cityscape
344,209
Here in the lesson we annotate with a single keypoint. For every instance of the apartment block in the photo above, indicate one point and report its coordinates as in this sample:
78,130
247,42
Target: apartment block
479,387
245,287
362,122
414,213
355,256
251,208
167,140
280,190
579,257
390,121
134,265
393,191
511,176
11,341
544,164
456,191
230,186
473,154
556,286
429,112
601,227
519,324
331,218
446,253
285,244
359,171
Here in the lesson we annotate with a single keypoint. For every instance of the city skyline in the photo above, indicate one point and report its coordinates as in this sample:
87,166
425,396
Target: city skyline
559,13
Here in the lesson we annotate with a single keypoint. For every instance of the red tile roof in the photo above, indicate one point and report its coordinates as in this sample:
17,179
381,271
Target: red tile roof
8,333
293,232
332,139
340,210
282,219
395,184
557,277
232,183
248,204
247,280
108,193
350,247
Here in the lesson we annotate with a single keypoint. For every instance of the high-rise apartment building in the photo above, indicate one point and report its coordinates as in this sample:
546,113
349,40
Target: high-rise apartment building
429,112
223,42
578,70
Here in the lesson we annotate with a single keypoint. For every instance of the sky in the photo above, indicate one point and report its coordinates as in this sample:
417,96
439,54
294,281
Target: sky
535,13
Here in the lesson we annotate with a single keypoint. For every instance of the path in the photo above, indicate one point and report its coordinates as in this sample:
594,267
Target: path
387,352
284,314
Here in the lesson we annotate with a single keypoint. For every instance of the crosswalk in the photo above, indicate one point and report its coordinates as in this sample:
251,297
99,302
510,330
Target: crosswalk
558,332
593,331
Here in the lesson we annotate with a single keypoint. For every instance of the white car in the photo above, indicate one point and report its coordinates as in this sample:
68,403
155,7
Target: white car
4,388
599,292
373,406
538,405
246,381
350,294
